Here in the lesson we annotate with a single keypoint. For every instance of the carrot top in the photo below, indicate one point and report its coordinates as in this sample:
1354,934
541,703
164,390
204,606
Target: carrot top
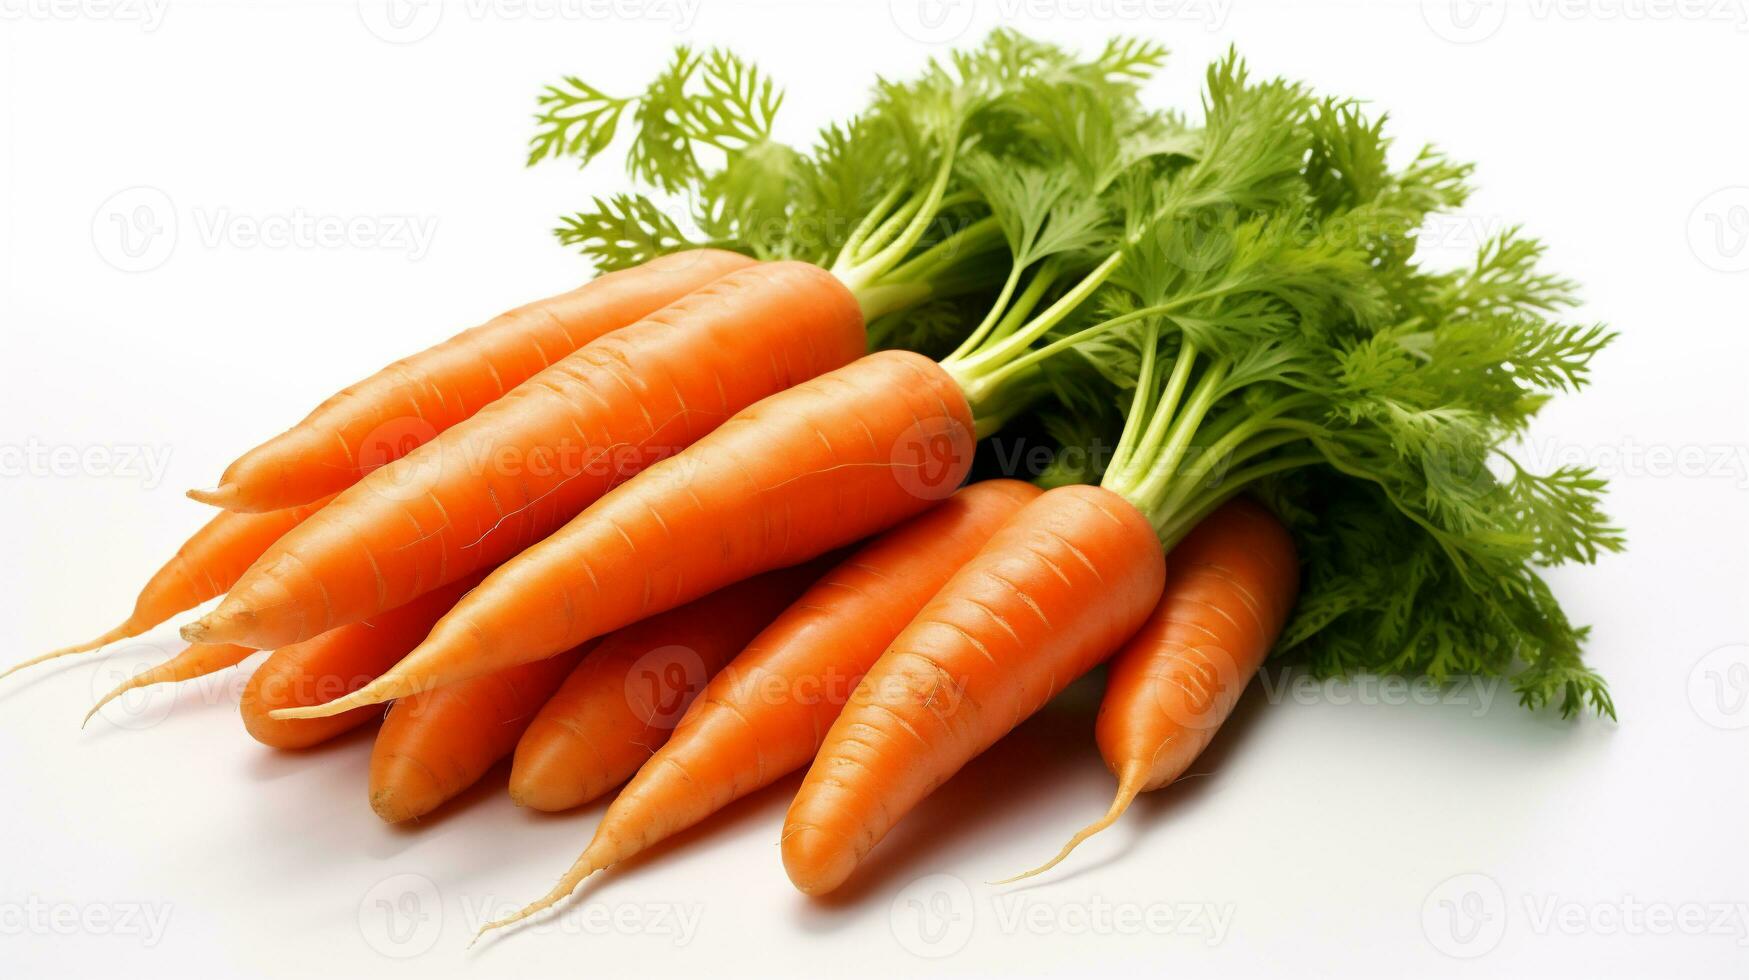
1294,345
1241,295
885,200
1252,288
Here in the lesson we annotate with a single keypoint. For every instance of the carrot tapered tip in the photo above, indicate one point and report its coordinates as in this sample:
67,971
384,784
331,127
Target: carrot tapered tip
1127,790
121,632
393,809
111,696
817,861
407,789
584,867
226,624
225,495
376,692
157,675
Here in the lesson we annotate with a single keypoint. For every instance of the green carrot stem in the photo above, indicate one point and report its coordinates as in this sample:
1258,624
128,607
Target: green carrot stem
1162,466
1009,347
1182,519
1160,419
1139,401
974,239
852,247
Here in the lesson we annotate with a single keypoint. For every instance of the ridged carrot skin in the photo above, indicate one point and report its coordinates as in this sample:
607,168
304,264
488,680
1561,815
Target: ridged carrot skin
197,660
622,702
1053,593
506,478
764,715
409,402
810,469
206,565
434,745
338,662
1234,580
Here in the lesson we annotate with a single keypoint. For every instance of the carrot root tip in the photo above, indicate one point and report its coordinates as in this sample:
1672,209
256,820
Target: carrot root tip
111,696
121,632
1127,791
568,884
223,495
146,679
376,692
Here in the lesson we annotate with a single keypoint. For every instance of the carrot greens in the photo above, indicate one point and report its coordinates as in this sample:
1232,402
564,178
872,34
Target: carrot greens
1240,300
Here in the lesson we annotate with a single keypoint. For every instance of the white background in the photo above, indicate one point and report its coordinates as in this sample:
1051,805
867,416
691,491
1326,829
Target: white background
1331,823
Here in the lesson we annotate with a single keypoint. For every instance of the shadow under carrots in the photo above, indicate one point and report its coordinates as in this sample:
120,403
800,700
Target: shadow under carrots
1155,812
997,796
271,764
763,806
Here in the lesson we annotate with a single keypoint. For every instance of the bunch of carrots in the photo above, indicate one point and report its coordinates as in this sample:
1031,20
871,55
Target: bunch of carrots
710,518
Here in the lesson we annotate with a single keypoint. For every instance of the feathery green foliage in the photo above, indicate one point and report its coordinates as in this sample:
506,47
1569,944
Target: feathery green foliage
1293,348
1239,300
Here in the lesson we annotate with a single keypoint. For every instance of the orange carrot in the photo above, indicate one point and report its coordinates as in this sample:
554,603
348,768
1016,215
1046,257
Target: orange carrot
1055,591
521,467
338,661
206,565
195,661
434,745
764,715
1234,579
622,701
386,415
805,471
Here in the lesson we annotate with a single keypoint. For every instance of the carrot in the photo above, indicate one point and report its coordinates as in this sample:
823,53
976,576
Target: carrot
386,415
1234,579
623,700
805,471
811,469
197,660
206,565
1057,588
334,663
502,480
595,731
434,745
764,715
